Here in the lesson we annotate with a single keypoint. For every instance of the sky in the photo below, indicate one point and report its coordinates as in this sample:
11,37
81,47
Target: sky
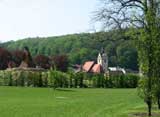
42,18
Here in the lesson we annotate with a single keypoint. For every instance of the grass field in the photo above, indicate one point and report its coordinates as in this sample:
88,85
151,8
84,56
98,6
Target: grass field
45,102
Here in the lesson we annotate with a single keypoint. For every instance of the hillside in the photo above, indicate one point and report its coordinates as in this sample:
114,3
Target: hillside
82,47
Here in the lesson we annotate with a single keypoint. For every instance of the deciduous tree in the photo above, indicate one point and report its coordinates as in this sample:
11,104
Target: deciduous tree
143,16
60,62
18,56
5,57
42,61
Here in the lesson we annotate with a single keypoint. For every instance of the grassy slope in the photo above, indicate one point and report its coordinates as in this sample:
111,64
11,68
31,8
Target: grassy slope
43,102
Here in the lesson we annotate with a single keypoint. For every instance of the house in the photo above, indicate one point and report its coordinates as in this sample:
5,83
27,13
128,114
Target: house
116,71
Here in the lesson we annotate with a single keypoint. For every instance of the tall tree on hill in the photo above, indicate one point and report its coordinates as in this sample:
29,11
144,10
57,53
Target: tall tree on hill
144,17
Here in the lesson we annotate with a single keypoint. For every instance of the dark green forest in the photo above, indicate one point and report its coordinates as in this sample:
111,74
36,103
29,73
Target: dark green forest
82,47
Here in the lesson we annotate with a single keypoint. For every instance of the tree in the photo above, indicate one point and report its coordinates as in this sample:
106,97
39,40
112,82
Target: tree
28,57
60,62
144,18
127,56
18,56
57,79
156,70
5,57
42,61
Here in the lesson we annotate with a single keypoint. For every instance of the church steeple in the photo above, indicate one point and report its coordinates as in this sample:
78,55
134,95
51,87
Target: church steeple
102,59
102,50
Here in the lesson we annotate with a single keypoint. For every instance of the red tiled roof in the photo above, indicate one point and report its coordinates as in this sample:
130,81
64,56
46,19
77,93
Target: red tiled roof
97,68
88,66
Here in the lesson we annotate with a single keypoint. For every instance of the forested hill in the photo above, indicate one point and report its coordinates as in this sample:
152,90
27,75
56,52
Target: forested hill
82,47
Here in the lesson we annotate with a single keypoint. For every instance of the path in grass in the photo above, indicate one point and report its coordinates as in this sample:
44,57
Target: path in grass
44,102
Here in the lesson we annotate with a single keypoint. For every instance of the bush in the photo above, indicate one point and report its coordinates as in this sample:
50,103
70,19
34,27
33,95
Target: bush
58,79
122,81
23,78
98,80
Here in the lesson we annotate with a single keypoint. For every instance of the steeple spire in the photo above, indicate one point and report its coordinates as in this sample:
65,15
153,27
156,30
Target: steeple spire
102,50
102,59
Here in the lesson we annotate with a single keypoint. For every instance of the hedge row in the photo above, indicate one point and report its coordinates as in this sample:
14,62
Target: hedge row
56,79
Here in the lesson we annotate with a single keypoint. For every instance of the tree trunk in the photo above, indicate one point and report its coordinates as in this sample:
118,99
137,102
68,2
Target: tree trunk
149,98
149,104
158,102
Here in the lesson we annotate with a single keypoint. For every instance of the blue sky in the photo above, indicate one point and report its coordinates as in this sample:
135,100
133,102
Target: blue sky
31,18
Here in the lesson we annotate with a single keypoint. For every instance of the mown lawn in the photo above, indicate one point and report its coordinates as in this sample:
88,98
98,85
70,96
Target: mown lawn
45,102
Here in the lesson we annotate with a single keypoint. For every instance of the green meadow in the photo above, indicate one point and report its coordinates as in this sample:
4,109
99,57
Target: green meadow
46,102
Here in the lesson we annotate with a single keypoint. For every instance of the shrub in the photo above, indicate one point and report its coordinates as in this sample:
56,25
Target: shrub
57,79
98,80
122,81
54,78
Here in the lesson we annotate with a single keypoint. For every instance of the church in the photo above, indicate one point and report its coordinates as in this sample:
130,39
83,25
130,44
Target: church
101,66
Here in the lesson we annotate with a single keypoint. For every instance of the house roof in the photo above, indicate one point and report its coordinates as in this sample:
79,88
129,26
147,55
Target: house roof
88,66
97,68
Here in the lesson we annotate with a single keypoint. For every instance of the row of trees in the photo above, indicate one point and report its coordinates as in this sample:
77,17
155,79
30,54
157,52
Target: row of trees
58,79
14,59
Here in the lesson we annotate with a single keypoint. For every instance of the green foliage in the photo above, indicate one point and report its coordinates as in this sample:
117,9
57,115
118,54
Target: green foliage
143,89
22,78
126,52
98,80
79,77
122,81
57,79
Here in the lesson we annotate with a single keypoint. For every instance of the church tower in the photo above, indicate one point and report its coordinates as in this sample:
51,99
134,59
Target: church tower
102,59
